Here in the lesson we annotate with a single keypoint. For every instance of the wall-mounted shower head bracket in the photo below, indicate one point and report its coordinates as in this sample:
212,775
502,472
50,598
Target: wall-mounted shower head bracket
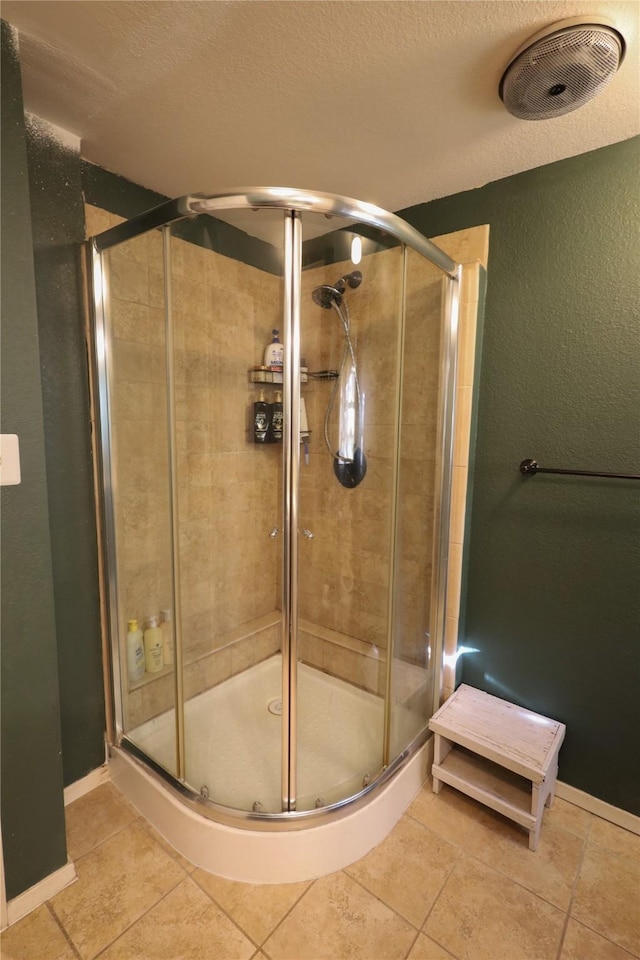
350,472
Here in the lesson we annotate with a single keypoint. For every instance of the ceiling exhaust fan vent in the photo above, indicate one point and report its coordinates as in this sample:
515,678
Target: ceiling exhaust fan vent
560,69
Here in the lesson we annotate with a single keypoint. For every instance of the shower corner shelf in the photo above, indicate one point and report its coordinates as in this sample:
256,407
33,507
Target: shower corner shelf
150,677
256,376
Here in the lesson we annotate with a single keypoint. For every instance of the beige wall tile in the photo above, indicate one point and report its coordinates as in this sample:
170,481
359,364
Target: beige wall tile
466,245
96,220
463,427
454,580
458,504
129,277
467,343
470,288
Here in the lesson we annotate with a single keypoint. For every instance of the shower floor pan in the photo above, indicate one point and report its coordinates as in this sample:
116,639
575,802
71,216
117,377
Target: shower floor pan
233,738
234,748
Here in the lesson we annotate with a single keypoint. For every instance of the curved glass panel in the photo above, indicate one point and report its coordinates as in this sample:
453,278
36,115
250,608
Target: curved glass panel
351,321
135,351
414,668
226,297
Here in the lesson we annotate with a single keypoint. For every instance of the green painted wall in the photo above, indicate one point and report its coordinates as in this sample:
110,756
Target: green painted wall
553,567
32,809
57,217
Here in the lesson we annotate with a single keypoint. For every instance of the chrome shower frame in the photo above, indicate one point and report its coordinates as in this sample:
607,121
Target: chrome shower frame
293,203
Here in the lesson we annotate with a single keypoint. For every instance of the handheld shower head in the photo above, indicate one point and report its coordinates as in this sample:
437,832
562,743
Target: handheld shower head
326,295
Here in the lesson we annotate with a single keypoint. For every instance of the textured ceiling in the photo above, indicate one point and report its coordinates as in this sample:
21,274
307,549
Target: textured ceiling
390,102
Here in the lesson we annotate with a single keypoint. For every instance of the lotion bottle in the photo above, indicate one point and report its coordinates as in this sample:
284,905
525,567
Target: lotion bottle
153,646
135,651
274,354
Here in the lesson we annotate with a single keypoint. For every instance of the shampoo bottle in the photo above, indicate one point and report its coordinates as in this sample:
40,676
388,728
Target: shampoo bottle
277,418
166,624
261,419
153,646
274,354
135,651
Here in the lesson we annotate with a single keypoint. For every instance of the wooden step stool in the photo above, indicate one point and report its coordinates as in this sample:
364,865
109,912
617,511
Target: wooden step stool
481,741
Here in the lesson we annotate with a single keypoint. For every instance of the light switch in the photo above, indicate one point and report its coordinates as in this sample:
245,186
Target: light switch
9,459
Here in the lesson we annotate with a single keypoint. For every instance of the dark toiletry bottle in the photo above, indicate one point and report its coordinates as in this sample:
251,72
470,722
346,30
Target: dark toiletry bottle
261,419
277,419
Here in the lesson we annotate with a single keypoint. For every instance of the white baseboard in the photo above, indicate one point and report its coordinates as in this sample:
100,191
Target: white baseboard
4,923
86,784
622,818
36,895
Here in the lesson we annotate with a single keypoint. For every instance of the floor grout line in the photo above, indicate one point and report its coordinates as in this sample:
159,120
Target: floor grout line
236,922
138,919
573,890
437,897
63,930
383,902
290,910
220,907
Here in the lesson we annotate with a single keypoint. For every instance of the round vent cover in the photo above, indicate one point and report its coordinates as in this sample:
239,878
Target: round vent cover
561,69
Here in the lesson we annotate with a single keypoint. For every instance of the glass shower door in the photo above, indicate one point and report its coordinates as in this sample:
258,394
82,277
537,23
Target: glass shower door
350,341
417,611
226,299
134,418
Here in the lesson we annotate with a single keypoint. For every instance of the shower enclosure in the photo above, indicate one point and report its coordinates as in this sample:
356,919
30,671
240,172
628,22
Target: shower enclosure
299,574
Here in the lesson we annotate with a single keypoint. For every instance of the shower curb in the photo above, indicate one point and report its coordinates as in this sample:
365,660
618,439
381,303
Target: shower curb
268,856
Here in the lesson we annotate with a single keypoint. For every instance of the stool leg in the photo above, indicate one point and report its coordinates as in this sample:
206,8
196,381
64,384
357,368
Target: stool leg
437,785
537,807
552,789
441,748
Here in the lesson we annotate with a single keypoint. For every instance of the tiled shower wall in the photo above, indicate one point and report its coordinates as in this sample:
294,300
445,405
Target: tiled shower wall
344,589
229,488
344,571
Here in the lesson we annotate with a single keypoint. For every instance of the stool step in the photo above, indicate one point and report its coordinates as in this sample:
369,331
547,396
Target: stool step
488,783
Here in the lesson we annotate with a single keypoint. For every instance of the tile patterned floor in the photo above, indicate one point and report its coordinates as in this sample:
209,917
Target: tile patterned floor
452,881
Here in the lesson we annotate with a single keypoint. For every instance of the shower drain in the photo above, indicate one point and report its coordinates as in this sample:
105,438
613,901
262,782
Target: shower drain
275,707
